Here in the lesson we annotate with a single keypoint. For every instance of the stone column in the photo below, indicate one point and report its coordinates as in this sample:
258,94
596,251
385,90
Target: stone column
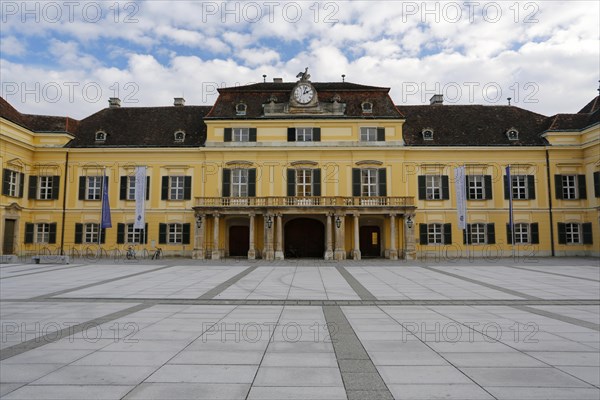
356,251
409,238
340,251
216,252
268,253
251,250
393,253
328,239
199,252
279,239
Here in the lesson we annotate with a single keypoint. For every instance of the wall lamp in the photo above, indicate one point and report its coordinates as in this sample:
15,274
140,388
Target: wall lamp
409,222
198,221
338,222
269,222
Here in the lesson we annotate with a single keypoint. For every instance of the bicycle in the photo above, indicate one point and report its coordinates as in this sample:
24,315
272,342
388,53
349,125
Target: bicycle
130,255
157,254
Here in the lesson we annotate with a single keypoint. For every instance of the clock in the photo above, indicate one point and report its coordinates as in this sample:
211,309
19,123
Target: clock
304,93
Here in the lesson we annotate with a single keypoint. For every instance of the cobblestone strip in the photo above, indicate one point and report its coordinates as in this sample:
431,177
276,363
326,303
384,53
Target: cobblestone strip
559,317
223,286
488,285
69,331
361,379
360,290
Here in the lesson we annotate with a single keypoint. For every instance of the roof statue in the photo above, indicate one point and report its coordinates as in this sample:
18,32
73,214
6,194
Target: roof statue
304,76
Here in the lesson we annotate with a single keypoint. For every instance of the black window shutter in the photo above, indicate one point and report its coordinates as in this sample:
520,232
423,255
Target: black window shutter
491,234
487,186
562,233
422,188
381,134
78,233
82,182
227,135
102,235
226,182
558,186
382,177
291,134
21,183
106,182
467,235
597,183
291,182
145,234
55,186
252,182
187,187
506,188
162,233
164,192
123,188
29,233
447,233
52,233
508,234
5,179
252,135
468,192
186,234
316,134
316,182
120,233
33,186
355,181
422,234
587,233
445,188
581,186
535,233
531,187
147,188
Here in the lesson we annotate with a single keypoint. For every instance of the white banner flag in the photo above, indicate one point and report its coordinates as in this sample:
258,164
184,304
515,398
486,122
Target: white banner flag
461,193
140,198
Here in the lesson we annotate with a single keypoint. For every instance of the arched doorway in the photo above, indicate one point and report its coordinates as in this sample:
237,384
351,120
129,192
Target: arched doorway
370,241
304,238
239,241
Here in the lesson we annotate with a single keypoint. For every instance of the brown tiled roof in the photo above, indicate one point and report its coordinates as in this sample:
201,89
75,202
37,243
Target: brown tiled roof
471,125
49,123
10,113
143,127
591,107
256,95
569,122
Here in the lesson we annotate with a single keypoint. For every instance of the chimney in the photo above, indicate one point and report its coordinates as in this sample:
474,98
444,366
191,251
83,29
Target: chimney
436,99
277,80
114,102
179,102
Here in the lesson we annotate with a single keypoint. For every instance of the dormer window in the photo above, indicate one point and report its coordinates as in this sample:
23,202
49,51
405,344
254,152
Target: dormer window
179,137
240,109
367,107
512,134
100,136
427,134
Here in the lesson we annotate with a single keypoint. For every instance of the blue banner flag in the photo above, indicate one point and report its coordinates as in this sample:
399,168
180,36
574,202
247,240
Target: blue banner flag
106,220
510,198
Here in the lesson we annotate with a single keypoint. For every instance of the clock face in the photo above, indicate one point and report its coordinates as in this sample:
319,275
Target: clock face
303,94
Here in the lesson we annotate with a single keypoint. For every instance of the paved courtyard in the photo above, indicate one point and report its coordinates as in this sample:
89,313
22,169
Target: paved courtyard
179,329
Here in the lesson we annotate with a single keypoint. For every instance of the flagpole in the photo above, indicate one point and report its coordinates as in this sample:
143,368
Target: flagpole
101,208
511,211
466,189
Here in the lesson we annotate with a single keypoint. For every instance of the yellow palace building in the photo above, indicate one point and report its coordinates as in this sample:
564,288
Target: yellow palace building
277,170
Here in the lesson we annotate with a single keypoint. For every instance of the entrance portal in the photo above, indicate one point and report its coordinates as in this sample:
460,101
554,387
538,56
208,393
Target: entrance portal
370,241
239,241
304,238
8,242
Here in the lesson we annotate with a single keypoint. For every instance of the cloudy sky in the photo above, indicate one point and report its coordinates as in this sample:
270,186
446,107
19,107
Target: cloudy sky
68,58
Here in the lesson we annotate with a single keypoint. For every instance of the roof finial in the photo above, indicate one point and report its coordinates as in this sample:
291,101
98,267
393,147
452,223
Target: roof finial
304,76
343,77
509,98
264,78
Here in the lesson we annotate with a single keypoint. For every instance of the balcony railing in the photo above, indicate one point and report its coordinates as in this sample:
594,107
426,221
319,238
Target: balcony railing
294,201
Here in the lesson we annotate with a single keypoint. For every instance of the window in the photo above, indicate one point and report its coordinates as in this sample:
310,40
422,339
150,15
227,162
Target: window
521,234
45,188
519,187
240,135
42,233
478,233
132,235
597,184
304,182
573,234
176,187
569,187
100,136
368,134
476,187
175,235
427,134
239,183
90,233
367,107
304,134
434,234
433,185
368,182
12,183
512,134
240,109
179,137
130,188
94,188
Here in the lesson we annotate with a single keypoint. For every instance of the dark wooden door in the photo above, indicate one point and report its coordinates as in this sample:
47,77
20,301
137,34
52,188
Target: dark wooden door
370,241
8,243
239,241
304,238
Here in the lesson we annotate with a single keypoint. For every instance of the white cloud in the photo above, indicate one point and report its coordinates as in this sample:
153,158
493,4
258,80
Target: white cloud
13,46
